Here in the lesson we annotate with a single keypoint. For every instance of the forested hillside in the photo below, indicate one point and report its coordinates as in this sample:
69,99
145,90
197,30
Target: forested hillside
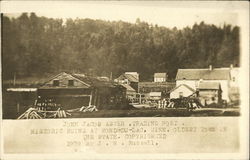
33,45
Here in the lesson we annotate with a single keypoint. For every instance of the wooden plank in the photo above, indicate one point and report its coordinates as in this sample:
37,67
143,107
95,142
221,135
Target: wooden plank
25,114
64,114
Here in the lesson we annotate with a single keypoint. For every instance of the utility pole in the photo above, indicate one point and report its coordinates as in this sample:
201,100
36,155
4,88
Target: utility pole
14,81
110,78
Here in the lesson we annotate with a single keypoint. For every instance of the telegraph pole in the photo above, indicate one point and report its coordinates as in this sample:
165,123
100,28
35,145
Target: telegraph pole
14,81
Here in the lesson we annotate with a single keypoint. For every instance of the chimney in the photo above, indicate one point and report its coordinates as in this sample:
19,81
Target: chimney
210,67
231,66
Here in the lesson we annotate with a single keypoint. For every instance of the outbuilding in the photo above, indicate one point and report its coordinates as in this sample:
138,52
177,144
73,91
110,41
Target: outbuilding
182,90
209,93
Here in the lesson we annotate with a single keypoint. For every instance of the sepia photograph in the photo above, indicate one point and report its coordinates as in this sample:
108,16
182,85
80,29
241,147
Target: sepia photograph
124,77
85,67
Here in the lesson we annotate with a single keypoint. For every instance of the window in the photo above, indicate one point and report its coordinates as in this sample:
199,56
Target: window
233,79
71,83
55,82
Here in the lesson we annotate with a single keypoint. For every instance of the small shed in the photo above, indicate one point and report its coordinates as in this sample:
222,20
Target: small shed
209,93
182,90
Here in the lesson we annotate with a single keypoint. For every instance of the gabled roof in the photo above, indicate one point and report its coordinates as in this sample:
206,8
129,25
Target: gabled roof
56,76
88,81
191,89
130,77
209,85
94,81
205,74
160,75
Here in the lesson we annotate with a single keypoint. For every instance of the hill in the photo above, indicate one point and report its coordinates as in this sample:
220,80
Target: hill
37,46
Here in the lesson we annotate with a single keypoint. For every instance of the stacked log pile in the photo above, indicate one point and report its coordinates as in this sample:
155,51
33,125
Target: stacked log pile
189,103
90,108
37,113
31,113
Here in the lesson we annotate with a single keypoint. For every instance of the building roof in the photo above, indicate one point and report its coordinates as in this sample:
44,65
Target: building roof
209,85
44,85
160,75
128,87
94,81
88,81
205,74
191,89
130,77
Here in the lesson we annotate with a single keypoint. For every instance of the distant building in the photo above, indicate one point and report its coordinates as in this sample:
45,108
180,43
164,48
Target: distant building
160,77
130,78
209,92
154,96
193,77
134,74
182,90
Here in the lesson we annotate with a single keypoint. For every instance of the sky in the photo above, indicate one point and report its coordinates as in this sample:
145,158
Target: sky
170,14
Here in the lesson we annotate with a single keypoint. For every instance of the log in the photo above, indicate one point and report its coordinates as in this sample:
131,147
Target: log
26,114
68,113
64,114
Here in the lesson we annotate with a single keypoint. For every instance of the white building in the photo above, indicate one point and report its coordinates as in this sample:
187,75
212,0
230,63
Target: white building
160,77
192,78
155,95
181,90
234,74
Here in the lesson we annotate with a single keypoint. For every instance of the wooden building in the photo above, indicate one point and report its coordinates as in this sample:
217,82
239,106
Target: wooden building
130,92
130,78
75,90
209,93
181,91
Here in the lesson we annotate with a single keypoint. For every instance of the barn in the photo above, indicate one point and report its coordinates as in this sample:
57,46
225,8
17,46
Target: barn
76,90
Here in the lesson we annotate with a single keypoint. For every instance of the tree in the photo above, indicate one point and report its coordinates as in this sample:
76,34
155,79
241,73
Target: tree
34,45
